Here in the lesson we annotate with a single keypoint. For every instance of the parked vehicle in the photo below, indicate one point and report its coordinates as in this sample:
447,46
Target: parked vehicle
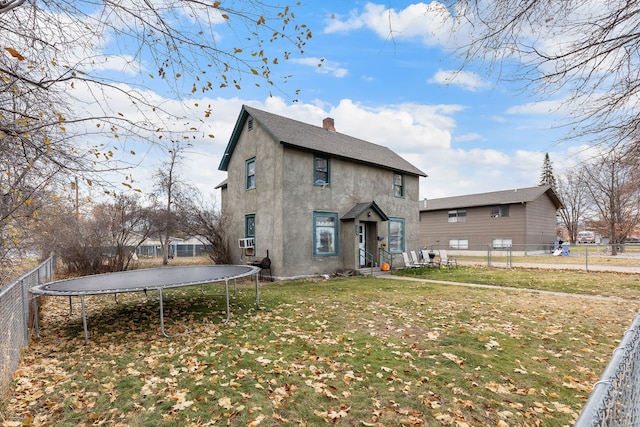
586,237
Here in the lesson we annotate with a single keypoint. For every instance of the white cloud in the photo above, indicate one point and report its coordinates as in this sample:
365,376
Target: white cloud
468,137
541,107
431,23
465,79
322,66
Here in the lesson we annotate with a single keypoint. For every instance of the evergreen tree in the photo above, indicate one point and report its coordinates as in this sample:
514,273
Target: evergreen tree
547,177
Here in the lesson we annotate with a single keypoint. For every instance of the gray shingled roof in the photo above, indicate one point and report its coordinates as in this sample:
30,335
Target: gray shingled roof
319,140
506,197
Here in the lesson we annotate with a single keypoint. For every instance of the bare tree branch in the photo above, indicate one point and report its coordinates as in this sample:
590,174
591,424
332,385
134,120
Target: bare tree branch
587,53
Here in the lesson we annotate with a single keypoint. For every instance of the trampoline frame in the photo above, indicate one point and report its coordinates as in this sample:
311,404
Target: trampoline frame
49,289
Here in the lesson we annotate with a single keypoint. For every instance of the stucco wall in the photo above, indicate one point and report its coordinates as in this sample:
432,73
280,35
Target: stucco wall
351,183
264,201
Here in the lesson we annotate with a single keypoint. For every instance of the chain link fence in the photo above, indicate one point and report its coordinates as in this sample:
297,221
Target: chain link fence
17,313
586,257
615,399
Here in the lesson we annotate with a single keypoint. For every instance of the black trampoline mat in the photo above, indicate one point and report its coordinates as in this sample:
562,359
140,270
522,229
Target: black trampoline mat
145,279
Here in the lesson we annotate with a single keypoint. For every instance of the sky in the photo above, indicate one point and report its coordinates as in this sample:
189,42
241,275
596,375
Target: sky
388,76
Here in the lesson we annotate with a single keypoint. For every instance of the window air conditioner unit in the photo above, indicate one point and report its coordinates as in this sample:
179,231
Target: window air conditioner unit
246,243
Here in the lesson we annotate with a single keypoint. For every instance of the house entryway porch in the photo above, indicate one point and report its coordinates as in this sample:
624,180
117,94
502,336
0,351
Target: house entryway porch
363,236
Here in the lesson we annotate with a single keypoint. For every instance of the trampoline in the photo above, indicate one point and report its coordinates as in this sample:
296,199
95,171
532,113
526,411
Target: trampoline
147,280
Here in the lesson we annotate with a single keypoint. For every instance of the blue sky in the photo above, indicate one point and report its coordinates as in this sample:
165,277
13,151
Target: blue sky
403,89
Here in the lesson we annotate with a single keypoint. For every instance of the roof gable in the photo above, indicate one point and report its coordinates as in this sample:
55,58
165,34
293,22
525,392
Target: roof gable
506,197
359,208
319,140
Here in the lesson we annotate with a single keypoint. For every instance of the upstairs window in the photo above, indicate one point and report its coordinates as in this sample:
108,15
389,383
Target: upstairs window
251,174
321,170
499,211
398,185
459,215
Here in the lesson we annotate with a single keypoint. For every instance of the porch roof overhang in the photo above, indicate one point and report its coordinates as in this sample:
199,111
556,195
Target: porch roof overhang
359,208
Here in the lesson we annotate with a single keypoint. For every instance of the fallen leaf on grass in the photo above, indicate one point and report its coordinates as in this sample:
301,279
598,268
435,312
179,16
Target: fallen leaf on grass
497,388
257,421
492,344
455,359
181,406
263,361
225,403
334,415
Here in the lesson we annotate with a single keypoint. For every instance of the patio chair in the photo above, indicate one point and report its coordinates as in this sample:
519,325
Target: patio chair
417,261
408,262
446,261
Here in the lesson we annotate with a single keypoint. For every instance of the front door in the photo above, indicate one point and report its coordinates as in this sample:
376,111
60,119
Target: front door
362,244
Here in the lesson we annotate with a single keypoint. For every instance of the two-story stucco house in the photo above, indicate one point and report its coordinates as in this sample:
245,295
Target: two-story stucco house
316,200
523,219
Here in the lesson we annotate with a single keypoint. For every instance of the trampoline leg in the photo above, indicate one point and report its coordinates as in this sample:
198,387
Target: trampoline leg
70,307
226,295
257,293
36,318
162,315
162,319
84,320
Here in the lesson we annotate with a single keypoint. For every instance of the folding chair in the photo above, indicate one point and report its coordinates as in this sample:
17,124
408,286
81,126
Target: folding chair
408,262
446,261
416,261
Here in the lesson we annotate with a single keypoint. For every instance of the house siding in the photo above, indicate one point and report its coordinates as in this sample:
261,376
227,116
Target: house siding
541,227
480,229
530,225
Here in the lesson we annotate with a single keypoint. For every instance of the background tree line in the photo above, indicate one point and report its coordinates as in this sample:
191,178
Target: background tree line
600,195
69,118
106,236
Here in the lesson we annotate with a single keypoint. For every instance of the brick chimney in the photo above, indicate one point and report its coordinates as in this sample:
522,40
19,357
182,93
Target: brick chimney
328,124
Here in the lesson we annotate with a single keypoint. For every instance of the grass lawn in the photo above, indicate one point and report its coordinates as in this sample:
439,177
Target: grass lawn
619,285
352,351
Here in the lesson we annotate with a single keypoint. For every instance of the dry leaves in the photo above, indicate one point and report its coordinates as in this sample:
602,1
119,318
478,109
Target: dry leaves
400,355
